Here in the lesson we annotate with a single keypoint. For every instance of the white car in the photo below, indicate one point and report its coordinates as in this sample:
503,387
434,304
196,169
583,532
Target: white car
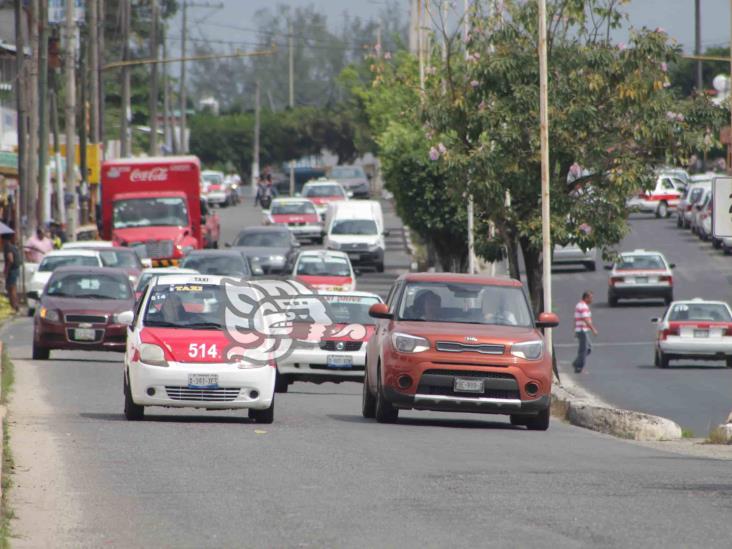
691,195
177,353
50,262
572,254
323,192
662,199
85,244
213,188
336,356
325,270
640,274
694,329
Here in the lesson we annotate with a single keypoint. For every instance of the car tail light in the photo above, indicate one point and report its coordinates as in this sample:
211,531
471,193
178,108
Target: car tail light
669,331
614,280
667,278
728,330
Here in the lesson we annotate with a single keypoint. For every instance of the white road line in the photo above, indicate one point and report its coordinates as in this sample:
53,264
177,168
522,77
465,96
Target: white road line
609,344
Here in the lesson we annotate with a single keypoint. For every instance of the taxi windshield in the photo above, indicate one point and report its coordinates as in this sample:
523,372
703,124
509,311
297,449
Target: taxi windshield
629,262
323,266
293,208
710,312
346,309
465,303
191,306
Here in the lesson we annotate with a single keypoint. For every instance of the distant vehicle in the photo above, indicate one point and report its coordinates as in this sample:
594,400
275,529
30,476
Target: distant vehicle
640,274
273,248
698,209
705,224
298,215
695,329
83,308
356,227
86,244
160,272
153,205
87,232
217,262
215,189
353,179
302,175
458,343
572,254
325,270
333,358
662,199
52,261
693,192
210,226
176,353
323,192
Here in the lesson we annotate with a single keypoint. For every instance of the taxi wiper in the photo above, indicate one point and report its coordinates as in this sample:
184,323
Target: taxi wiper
204,325
162,324
97,296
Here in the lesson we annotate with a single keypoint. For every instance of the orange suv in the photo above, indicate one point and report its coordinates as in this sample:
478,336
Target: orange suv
458,343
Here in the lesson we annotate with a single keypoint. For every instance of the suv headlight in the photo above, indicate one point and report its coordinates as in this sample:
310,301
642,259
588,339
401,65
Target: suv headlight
529,350
152,355
405,343
49,314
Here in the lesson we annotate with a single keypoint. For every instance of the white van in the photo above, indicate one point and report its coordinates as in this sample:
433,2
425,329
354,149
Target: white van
356,227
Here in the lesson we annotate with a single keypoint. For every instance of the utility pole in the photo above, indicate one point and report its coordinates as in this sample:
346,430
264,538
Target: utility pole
44,213
420,45
184,30
154,82
167,134
124,119
31,196
69,62
82,131
94,70
255,153
291,48
100,77
698,45
22,106
544,141
471,202
57,154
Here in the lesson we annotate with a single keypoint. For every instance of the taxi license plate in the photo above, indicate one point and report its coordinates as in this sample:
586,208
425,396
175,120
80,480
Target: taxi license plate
701,333
339,362
85,334
466,385
197,381
641,279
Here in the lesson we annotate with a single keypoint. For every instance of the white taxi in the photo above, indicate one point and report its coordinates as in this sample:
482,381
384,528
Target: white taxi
337,355
694,329
662,199
325,270
640,274
177,352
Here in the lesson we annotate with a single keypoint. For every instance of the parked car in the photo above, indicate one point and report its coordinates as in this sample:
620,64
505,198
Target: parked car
662,199
695,329
339,356
52,261
640,274
697,209
83,308
298,215
273,248
458,343
325,270
572,254
353,179
690,196
323,192
218,262
177,353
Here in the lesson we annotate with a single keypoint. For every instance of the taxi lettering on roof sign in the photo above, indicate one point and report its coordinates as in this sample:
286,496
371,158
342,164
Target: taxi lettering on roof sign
186,288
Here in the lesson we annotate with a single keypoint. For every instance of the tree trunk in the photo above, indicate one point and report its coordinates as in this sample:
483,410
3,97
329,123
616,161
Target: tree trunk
533,263
511,244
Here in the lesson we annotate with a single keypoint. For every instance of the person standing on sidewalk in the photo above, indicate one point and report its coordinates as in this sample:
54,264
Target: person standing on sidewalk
12,269
582,328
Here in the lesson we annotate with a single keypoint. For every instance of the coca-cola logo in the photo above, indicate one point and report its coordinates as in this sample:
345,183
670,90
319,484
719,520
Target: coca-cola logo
154,174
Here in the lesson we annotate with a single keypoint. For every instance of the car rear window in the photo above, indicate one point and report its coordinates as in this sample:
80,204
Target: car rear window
268,239
122,259
627,262
322,190
323,266
711,312
222,265
293,208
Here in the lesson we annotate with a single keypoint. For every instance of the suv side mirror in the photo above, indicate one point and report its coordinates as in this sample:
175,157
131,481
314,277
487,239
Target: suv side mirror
380,310
547,320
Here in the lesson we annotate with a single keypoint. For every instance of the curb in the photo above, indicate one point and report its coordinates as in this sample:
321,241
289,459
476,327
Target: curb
579,407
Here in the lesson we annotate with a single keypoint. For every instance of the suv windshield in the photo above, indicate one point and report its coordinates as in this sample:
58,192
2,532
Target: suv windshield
192,306
628,262
323,266
465,303
293,208
269,239
354,226
89,286
150,212
711,312
322,190
123,259
222,265
52,263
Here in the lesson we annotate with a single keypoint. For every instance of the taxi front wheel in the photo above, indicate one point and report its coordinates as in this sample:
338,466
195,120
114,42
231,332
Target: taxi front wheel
133,412
263,416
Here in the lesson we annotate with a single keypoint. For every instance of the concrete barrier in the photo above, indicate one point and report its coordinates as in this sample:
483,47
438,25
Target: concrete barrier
581,408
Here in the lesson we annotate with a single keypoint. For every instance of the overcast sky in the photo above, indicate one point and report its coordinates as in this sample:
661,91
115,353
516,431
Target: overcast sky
675,16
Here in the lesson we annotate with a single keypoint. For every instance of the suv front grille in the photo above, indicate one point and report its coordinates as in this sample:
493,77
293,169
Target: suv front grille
482,348
442,382
91,319
222,394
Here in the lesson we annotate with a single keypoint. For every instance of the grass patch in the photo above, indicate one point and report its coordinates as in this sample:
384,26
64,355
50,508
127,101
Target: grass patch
6,512
6,311
687,433
717,436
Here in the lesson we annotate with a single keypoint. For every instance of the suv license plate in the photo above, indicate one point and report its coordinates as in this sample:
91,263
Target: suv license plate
467,385
199,381
701,333
339,361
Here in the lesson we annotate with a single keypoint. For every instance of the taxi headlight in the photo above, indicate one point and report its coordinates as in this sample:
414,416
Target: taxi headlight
152,355
125,317
405,343
529,350
49,314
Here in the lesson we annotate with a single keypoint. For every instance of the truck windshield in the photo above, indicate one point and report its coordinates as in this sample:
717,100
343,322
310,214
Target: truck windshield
150,212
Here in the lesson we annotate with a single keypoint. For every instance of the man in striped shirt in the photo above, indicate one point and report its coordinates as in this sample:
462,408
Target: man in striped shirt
582,328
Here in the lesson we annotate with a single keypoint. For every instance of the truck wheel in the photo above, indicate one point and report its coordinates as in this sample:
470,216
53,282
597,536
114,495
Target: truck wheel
539,422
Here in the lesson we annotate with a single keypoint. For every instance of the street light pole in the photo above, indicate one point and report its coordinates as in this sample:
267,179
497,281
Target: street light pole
544,138
70,60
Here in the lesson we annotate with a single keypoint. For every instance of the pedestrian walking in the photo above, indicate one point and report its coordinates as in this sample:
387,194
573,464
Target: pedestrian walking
37,246
582,328
11,269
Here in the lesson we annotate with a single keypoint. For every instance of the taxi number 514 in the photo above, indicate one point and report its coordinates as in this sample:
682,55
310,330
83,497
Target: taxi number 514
201,350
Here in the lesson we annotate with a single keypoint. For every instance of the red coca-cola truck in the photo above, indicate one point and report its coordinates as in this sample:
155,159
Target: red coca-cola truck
153,205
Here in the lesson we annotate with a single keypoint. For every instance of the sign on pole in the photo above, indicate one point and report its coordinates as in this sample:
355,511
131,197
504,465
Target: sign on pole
57,11
722,207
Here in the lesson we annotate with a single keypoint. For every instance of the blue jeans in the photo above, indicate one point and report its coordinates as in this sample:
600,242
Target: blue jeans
584,349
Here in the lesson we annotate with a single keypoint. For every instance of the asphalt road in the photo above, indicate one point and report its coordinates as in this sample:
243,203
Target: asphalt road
695,394
321,476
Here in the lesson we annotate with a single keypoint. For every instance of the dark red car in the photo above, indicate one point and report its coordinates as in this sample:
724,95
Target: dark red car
83,308
458,343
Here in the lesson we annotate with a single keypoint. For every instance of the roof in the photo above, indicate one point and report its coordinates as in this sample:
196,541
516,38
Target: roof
83,252
152,160
287,200
215,280
641,251
85,244
321,253
169,270
235,253
265,228
350,294
698,300
461,278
